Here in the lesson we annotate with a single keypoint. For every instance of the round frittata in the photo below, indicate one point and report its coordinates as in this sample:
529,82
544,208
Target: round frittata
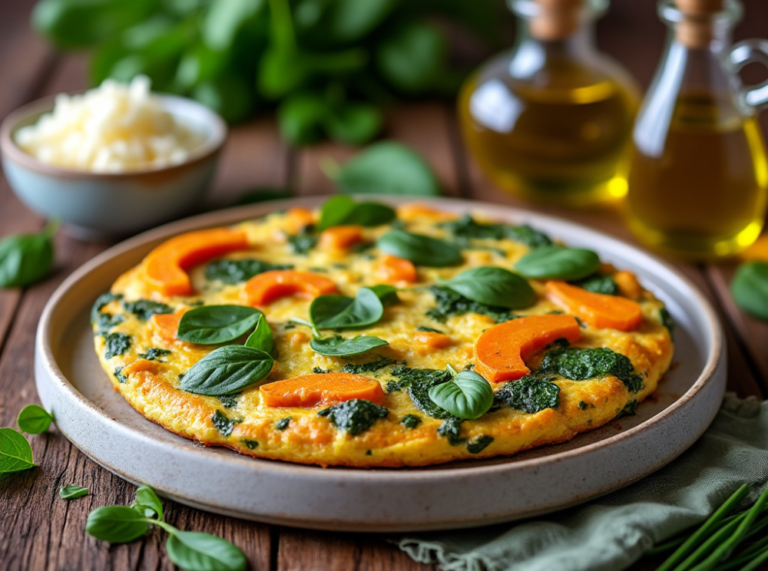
362,335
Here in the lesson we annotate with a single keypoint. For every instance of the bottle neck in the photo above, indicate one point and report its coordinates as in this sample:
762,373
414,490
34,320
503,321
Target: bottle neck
578,44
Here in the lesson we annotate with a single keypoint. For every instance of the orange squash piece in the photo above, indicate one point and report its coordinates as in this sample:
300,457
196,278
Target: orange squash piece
597,309
501,352
394,269
265,288
328,389
341,237
427,341
416,210
299,218
165,267
628,284
166,325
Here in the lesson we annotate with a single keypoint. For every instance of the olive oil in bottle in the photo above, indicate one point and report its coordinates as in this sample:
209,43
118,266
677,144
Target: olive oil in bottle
552,120
699,174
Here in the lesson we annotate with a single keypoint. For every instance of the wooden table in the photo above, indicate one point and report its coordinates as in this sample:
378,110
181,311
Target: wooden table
40,531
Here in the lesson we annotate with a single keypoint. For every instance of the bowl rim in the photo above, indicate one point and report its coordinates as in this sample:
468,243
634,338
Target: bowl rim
11,151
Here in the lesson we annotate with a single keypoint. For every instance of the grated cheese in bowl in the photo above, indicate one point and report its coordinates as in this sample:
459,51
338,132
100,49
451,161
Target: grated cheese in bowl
111,129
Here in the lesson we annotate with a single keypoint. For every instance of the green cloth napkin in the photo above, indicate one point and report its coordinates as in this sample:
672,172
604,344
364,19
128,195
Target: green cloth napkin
614,531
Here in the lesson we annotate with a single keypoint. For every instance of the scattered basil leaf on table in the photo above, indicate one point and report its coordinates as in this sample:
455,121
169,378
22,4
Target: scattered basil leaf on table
71,492
34,419
493,286
342,209
15,452
419,249
216,324
468,396
387,168
337,346
341,312
147,498
116,524
750,289
557,262
26,258
261,338
197,551
227,370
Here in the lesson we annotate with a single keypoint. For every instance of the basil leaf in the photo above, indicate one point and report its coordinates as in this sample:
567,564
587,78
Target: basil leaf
469,396
386,293
342,209
337,346
419,249
197,551
493,286
26,258
147,498
227,370
340,312
750,289
387,168
353,123
261,338
15,452
556,262
116,524
413,58
71,492
215,324
34,419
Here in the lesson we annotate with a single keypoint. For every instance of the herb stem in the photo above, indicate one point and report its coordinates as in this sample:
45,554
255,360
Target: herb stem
710,544
315,332
746,556
166,526
757,561
704,530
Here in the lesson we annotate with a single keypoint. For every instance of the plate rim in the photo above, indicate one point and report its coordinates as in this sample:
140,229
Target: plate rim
241,213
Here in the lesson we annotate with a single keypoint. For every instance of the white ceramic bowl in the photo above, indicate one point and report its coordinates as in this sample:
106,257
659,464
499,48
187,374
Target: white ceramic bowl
113,204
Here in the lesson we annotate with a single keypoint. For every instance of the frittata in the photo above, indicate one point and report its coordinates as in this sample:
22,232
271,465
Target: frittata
362,335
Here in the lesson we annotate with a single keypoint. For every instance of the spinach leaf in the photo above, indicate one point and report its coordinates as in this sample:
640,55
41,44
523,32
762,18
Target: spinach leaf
666,320
15,452
283,423
154,354
450,304
557,262
419,382
106,321
466,228
450,428
750,289
342,209
370,367
144,309
581,364
340,312
478,443
354,416
237,271
468,396
199,551
493,286
630,409
227,370
387,168
26,258
116,524
529,394
101,302
410,421
229,401
598,283
261,338
304,241
71,492
524,234
116,344
216,324
147,498
34,419
427,329
337,346
222,423
419,249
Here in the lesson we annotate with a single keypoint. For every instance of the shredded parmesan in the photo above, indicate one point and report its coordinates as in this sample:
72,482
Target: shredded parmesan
114,128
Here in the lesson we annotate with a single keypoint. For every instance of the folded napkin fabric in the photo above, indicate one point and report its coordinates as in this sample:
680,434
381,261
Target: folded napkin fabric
612,532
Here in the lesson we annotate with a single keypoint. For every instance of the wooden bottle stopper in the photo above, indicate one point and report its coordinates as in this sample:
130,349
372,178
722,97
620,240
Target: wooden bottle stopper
696,30
557,19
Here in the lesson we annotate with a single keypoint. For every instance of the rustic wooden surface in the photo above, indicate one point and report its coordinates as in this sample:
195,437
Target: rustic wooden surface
39,531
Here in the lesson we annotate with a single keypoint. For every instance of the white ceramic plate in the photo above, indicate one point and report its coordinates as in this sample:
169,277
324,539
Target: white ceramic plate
101,424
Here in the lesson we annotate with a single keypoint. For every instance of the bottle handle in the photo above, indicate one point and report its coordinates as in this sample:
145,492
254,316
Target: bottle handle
746,52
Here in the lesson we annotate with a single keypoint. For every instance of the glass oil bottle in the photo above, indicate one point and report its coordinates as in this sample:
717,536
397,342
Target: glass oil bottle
699,172
551,120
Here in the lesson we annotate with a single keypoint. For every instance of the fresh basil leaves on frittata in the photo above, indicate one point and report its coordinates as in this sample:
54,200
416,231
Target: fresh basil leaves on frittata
341,209
418,382
451,303
493,286
216,324
341,312
468,395
529,394
144,309
354,416
261,338
237,271
227,370
337,346
419,249
578,364
558,262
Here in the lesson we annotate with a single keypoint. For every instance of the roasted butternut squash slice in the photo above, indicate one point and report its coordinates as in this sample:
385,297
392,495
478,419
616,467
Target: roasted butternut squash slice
341,237
265,288
328,389
394,270
597,309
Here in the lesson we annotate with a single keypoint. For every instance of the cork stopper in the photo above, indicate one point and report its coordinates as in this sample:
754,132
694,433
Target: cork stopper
557,19
696,30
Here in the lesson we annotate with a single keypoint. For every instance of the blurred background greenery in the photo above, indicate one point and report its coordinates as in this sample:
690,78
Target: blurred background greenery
328,67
